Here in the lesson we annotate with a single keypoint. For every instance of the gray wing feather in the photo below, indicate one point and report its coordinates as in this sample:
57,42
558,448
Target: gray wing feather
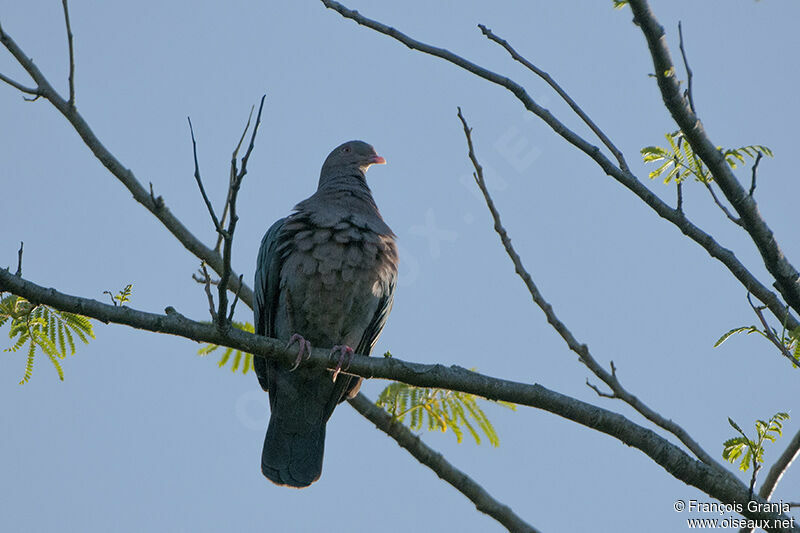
266,289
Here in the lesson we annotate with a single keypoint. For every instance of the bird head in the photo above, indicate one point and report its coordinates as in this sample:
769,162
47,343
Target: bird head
350,156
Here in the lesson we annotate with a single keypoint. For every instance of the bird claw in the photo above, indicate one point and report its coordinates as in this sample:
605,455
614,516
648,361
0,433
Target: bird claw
305,348
345,352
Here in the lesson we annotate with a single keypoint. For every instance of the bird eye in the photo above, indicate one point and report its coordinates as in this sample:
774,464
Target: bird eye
346,149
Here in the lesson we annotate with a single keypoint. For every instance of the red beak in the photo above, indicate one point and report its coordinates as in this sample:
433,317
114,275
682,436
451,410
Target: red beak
377,160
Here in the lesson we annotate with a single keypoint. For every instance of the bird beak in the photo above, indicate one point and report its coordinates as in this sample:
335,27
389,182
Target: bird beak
377,160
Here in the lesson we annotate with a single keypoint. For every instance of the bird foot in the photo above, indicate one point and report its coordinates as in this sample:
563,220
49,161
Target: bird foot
305,348
345,352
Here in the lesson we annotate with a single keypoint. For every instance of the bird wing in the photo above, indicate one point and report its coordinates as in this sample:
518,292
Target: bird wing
266,290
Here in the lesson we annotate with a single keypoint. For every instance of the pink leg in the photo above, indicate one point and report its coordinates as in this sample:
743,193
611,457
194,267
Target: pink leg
305,348
345,352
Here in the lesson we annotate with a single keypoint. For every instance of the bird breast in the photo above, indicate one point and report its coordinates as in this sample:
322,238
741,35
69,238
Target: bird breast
333,280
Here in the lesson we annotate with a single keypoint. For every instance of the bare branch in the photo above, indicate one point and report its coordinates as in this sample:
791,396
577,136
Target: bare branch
628,180
713,480
771,334
581,350
786,275
207,281
483,501
688,70
19,259
600,393
754,171
71,101
235,300
111,296
724,209
20,87
679,204
199,181
233,191
563,94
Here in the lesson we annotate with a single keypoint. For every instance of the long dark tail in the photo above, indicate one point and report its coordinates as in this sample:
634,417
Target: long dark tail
292,455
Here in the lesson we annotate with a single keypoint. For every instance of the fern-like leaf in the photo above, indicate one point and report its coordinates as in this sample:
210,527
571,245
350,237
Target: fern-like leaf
43,328
240,358
748,451
439,410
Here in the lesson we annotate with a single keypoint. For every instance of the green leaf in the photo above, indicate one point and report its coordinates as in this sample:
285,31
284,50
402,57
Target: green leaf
734,331
439,410
240,359
42,326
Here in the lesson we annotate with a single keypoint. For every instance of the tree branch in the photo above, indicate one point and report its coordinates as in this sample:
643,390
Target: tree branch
780,467
483,501
19,259
566,97
754,174
770,334
724,209
581,350
234,185
786,275
71,101
688,70
155,205
18,86
714,481
199,181
628,180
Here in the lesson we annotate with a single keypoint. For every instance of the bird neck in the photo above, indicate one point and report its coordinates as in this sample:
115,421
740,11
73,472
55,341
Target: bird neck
346,187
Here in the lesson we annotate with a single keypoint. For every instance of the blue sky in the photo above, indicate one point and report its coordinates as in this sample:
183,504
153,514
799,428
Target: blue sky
145,435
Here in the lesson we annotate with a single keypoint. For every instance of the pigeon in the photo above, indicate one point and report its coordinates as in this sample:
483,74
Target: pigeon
325,277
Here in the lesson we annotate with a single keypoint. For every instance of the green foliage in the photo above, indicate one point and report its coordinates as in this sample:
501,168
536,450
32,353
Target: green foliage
678,161
51,330
239,359
752,451
439,409
122,296
619,4
734,331
790,339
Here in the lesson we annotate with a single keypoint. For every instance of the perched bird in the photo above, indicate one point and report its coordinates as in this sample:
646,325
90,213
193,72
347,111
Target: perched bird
325,277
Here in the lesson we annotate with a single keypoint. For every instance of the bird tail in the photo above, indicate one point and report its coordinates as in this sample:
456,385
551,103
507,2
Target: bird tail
292,455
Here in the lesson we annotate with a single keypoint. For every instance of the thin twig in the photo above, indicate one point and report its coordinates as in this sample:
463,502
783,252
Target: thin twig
679,206
563,94
199,181
234,173
688,70
600,393
19,258
780,467
235,300
771,334
201,280
483,501
724,209
582,350
207,282
233,191
755,171
111,295
157,202
18,86
71,101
